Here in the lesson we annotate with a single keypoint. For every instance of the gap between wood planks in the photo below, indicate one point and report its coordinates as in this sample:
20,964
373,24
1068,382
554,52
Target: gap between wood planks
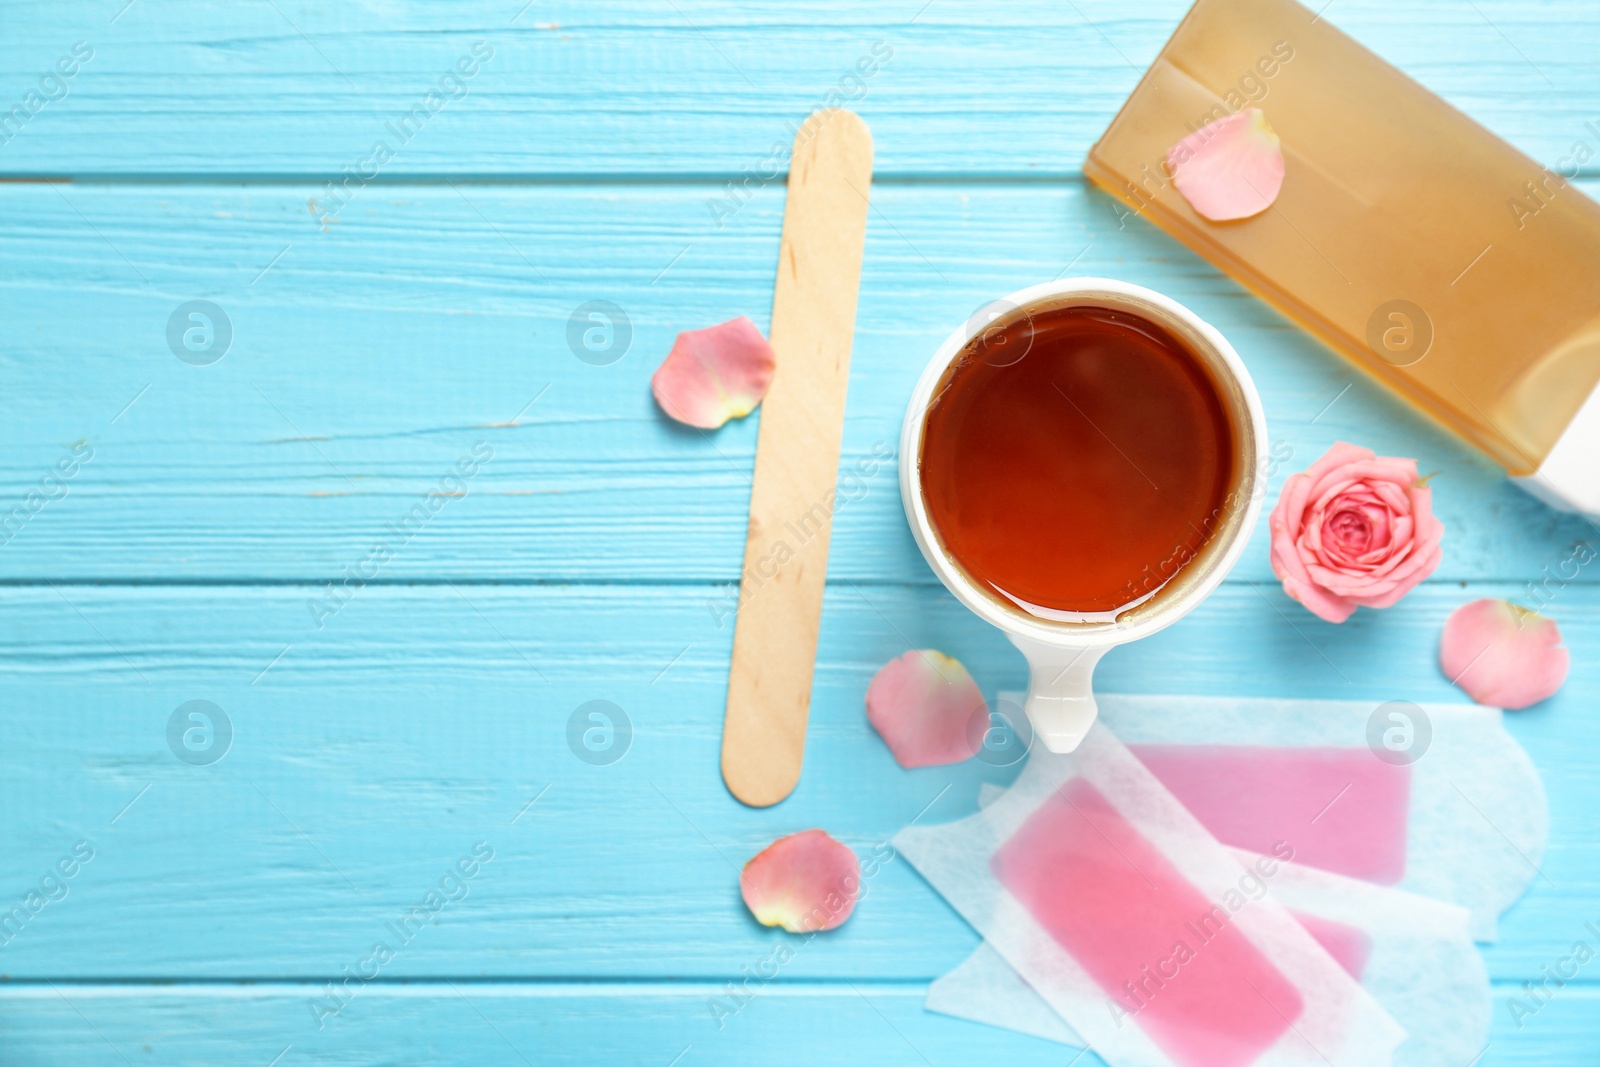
577,180
316,582
561,985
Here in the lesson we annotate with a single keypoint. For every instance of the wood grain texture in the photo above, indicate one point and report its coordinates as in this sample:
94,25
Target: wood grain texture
447,1023
368,359
383,330
794,490
707,87
368,756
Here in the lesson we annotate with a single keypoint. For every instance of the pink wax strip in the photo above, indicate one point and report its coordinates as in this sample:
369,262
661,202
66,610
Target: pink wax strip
1340,809
1162,952
1348,945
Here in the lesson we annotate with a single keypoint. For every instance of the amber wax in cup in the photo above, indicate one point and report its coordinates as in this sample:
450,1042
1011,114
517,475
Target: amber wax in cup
1074,459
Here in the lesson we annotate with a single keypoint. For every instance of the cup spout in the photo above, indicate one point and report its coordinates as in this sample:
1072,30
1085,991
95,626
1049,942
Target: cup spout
1060,704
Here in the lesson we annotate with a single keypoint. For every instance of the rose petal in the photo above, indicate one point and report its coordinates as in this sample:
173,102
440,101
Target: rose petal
1288,566
1355,532
1503,655
1387,593
1341,455
1229,169
1298,489
803,882
1357,465
1321,603
715,374
924,705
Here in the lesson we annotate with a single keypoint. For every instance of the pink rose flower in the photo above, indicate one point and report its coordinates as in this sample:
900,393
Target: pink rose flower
1356,530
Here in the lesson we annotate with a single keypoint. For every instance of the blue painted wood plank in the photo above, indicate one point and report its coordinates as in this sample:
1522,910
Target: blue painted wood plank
368,757
364,362
453,1022
378,343
696,87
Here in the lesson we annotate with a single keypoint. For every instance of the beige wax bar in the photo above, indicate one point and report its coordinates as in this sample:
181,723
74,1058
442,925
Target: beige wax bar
1454,269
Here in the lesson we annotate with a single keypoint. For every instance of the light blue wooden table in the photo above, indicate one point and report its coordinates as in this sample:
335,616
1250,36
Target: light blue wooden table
417,314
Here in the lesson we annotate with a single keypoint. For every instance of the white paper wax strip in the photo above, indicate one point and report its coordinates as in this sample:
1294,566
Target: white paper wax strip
1413,954
1435,799
1141,931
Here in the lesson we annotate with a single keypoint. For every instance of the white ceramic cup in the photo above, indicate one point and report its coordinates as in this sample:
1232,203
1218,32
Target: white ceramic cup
1062,655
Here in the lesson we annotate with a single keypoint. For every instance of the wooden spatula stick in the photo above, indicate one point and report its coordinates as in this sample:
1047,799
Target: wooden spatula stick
797,458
